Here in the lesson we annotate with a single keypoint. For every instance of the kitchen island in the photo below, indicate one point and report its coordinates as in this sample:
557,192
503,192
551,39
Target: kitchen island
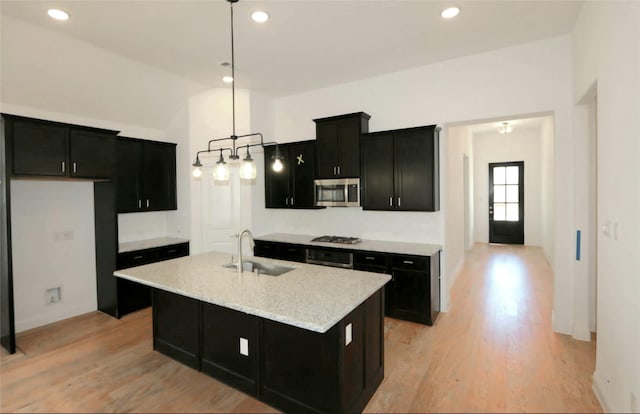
311,339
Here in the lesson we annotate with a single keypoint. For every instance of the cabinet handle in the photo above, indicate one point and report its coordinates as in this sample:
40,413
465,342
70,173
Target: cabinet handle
370,258
75,168
171,251
137,257
139,203
334,170
291,249
407,261
338,170
63,166
291,201
398,201
147,203
286,200
390,201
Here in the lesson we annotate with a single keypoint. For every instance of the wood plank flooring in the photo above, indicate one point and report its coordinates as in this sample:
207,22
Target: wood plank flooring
494,351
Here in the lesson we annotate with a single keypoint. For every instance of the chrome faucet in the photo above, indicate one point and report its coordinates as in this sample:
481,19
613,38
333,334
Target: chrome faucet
242,233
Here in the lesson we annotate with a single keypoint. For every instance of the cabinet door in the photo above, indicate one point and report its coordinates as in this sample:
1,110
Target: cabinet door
377,172
91,154
265,249
408,295
276,194
40,148
326,149
414,170
302,160
349,147
159,176
128,175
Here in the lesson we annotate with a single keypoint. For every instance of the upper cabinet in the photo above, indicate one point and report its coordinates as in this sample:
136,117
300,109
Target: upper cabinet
146,178
338,145
400,170
52,149
293,186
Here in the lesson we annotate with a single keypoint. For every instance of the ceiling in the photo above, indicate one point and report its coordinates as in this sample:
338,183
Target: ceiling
306,44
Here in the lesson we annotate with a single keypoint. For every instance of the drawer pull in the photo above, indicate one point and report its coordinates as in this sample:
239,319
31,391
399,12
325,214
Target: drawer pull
407,261
370,258
137,257
291,249
171,251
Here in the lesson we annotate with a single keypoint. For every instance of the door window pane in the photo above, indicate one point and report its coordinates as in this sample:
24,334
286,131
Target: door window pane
512,212
499,193
512,194
512,175
499,175
499,212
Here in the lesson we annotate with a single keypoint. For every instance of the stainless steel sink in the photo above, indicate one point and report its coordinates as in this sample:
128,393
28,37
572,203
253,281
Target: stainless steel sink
260,268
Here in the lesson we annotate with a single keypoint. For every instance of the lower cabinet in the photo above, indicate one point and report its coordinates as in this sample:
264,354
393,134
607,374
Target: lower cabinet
290,368
281,251
131,296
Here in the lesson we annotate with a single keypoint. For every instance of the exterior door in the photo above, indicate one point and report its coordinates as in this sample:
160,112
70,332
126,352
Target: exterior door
506,202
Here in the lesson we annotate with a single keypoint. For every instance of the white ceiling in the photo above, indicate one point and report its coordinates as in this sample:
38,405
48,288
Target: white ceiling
307,44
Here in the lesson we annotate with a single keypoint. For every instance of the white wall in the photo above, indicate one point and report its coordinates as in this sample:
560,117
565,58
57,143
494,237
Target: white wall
457,145
523,144
606,53
527,79
53,241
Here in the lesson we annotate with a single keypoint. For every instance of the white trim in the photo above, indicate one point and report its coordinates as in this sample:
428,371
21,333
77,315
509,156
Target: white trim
597,389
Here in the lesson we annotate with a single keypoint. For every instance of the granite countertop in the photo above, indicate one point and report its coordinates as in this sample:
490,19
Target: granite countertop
310,296
417,249
149,244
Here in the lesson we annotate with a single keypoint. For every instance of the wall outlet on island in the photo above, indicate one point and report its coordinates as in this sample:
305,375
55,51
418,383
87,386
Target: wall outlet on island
53,295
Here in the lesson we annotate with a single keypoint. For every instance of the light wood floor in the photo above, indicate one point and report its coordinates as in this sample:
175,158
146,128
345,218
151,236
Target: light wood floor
494,351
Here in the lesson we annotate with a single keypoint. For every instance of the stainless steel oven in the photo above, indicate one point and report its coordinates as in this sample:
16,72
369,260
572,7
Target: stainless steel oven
329,257
338,192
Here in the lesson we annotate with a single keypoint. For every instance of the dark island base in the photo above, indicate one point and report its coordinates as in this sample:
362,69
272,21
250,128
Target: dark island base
289,368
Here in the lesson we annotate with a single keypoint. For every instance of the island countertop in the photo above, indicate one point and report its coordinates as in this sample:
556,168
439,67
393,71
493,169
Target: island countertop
309,296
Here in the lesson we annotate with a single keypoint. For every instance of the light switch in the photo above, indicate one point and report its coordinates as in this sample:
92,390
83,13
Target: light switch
244,346
348,335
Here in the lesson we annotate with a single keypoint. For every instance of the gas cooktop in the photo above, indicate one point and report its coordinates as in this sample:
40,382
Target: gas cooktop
337,239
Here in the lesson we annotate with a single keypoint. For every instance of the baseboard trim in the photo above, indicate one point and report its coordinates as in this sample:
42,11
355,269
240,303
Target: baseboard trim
597,390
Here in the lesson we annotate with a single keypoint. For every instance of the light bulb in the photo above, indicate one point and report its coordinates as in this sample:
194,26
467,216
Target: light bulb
197,172
450,12
248,170
58,14
221,172
277,165
259,16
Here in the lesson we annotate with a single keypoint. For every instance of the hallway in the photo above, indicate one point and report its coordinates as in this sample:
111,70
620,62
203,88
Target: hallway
494,351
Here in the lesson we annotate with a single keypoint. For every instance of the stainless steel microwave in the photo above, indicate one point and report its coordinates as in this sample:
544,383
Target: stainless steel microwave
338,192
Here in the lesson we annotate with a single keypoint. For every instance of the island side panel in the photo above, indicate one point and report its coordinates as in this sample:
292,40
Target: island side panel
176,327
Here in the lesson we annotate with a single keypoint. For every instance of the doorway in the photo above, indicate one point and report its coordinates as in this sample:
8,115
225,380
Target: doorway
506,202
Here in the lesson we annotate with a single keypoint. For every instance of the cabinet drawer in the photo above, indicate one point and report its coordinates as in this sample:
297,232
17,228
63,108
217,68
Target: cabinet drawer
410,262
266,249
136,258
369,258
292,252
173,251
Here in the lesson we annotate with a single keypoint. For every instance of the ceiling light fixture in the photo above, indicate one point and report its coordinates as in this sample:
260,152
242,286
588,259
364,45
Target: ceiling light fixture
221,168
58,14
259,16
227,79
505,128
450,12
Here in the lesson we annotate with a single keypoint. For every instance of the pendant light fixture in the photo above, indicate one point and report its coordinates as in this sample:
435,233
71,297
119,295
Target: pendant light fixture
221,171
505,128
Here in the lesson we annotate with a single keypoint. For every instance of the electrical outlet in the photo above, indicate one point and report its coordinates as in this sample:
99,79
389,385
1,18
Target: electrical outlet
53,295
244,346
67,235
348,334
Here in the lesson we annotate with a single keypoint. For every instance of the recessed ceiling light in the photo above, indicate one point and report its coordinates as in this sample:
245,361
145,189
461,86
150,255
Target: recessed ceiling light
259,16
58,14
450,12
227,79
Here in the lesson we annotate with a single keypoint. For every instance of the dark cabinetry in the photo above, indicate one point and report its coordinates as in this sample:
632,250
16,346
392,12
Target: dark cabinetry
414,290
293,186
146,178
44,148
400,170
281,251
338,145
291,368
117,296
